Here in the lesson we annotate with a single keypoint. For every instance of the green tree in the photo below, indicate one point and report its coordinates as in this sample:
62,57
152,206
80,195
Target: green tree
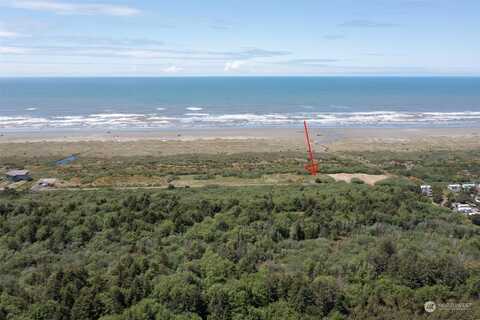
215,269
219,305
49,310
181,292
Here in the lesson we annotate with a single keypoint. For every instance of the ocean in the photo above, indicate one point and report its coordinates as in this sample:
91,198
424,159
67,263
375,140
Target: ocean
212,102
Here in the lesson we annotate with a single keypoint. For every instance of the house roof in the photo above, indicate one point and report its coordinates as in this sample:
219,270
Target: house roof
13,173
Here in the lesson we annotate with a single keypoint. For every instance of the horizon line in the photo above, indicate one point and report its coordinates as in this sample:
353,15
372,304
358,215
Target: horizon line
252,76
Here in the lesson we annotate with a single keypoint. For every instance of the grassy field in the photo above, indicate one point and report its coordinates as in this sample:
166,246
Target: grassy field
187,170
126,160
196,170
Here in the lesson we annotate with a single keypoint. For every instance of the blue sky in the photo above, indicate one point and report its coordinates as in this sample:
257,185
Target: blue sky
239,37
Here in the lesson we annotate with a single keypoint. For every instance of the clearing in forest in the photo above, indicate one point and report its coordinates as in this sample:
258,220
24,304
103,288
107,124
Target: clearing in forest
370,179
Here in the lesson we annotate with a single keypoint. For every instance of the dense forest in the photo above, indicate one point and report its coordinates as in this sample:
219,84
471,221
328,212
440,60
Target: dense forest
331,250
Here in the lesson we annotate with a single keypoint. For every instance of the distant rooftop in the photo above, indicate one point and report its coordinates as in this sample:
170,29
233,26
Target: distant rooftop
13,173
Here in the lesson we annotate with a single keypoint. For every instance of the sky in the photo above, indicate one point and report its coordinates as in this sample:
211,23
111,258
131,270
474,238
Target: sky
239,37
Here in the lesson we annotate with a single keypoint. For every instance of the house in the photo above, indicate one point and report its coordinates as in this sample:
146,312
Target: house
426,190
469,186
464,208
455,187
18,175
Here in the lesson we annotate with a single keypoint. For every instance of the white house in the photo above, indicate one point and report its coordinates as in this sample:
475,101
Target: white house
18,175
455,187
469,186
464,208
426,190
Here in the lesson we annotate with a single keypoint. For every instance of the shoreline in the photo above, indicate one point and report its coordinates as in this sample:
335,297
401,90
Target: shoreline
205,118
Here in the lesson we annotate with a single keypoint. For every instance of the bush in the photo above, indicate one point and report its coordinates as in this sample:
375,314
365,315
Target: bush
204,177
324,179
475,219
357,181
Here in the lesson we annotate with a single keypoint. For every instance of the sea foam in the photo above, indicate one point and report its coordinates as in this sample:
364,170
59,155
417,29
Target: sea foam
197,119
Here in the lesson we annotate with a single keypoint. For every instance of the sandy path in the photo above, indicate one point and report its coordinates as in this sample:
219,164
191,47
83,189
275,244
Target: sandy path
370,179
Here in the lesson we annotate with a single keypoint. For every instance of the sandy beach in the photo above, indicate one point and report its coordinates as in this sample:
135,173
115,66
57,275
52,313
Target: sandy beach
155,143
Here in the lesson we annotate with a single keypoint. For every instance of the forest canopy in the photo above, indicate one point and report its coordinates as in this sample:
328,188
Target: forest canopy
331,250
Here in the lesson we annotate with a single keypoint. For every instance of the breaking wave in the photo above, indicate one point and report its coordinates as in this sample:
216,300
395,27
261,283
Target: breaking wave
197,119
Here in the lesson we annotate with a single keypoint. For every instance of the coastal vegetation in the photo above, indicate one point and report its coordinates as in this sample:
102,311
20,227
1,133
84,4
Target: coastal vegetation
331,249
240,236
189,169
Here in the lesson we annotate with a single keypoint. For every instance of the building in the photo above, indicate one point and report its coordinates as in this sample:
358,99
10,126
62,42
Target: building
464,208
455,187
18,175
426,190
469,186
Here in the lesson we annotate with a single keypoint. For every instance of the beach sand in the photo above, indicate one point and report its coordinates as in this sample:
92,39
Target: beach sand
215,141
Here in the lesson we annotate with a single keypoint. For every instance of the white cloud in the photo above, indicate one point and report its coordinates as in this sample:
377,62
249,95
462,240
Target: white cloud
360,23
140,54
12,50
8,34
233,65
59,7
172,69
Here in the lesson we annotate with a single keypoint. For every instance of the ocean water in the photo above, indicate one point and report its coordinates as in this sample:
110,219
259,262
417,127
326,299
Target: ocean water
205,102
